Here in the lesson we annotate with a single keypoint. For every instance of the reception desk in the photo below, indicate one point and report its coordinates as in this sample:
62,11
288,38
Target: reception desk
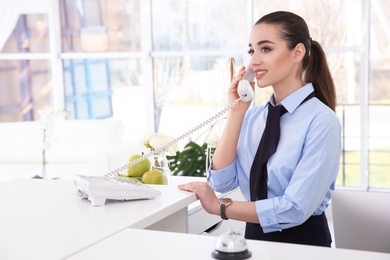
44,219
147,244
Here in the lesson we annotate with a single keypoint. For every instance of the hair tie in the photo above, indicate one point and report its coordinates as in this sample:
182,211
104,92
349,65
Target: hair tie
310,42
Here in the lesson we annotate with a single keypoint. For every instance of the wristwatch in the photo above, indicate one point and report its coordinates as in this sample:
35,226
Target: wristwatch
224,203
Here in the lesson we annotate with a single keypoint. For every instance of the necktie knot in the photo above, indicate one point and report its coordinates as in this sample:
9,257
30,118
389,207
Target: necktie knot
276,111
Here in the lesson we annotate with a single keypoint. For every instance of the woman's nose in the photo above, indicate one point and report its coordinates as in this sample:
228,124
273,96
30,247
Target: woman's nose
255,60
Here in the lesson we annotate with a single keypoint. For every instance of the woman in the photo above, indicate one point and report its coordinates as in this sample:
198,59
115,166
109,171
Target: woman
300,174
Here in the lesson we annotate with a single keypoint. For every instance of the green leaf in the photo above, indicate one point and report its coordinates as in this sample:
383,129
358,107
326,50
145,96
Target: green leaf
189,162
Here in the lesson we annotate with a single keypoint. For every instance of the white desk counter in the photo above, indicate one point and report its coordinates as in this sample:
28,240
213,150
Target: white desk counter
44,219
148,244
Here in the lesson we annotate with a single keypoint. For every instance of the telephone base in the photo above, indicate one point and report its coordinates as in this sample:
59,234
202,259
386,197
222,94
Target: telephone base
97,189
97,201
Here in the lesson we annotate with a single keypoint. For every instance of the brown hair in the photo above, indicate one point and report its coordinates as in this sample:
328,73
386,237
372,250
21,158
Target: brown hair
294,30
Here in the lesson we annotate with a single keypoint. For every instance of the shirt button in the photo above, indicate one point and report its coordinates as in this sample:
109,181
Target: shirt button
268,221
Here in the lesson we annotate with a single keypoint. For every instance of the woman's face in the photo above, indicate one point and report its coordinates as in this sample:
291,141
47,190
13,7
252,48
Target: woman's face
271,60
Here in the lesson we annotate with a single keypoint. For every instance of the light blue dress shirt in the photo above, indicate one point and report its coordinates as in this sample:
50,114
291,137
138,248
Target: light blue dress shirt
302,171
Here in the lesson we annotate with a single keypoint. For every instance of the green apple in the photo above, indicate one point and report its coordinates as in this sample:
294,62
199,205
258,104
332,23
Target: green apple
154,177
138,169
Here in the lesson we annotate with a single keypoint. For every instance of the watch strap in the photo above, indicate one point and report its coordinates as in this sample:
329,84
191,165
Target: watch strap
223,212
224,203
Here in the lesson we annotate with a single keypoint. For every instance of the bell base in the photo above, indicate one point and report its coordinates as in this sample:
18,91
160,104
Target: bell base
231,256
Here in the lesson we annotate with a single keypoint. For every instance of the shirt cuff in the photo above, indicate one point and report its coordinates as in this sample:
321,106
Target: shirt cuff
219,178
267,216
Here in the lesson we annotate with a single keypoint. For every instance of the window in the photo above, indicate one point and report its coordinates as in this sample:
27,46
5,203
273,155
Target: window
199,25
25,76
191,50
88,88
90,28
163,65
100,26
379,96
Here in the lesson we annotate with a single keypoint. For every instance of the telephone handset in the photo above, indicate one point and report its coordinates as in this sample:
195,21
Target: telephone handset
244,89
99,188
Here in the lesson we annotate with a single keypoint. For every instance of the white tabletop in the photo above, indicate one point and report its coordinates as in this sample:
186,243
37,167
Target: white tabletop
147,244
45,218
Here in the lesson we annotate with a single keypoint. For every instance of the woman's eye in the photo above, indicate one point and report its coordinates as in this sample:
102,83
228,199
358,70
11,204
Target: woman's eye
265,49
250,52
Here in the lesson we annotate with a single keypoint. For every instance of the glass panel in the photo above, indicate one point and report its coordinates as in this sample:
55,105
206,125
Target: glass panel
85,82
343,16
345,69
31,34
74,77
82,110
106,88
100,25
199,25
349,173
103,108
379,132
379,147
99,70
189,90
25,88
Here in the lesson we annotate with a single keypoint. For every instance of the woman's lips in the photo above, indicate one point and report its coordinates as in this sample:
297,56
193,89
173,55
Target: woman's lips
260,73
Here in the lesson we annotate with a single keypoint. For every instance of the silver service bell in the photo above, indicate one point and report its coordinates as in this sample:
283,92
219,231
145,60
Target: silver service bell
231,245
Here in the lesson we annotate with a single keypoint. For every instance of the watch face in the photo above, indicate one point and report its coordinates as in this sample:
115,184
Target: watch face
225,200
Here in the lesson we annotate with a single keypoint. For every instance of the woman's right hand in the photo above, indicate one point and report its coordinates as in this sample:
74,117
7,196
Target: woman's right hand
242,106
225,153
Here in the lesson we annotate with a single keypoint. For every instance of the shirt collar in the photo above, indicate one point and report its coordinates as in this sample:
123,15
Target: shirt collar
292,101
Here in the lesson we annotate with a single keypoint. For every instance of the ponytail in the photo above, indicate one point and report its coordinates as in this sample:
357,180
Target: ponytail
318,73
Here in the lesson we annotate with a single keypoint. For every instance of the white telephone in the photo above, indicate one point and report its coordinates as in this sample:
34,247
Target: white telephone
99,188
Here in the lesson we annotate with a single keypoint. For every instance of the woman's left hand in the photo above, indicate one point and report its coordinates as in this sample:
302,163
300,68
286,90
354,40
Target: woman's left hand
206,195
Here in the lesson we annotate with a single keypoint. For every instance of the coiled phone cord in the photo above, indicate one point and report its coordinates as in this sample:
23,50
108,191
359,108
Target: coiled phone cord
118,170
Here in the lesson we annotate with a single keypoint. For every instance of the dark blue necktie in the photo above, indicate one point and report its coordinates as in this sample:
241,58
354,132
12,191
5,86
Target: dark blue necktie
267,147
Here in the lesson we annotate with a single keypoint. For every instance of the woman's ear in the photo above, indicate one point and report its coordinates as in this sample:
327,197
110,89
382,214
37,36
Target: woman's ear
299,52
